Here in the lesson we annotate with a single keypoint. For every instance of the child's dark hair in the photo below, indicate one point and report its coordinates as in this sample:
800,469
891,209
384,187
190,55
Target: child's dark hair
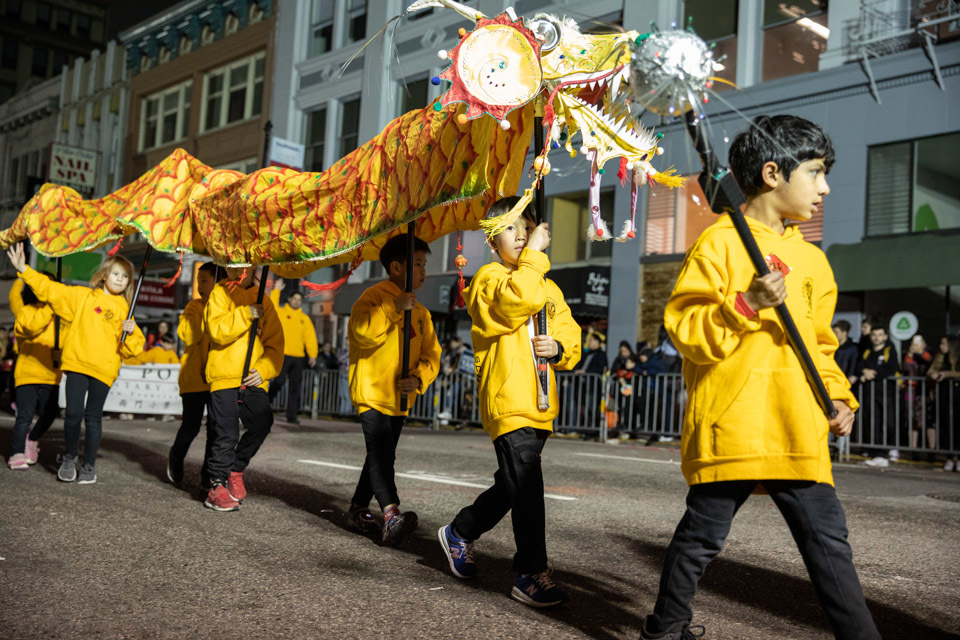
503,205
209,268
784,140
395,250
168,338
27,294
843,325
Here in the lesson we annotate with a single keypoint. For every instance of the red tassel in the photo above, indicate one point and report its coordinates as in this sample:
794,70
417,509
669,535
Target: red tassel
622,173
116,247
172,281
318,289
461,262
233,284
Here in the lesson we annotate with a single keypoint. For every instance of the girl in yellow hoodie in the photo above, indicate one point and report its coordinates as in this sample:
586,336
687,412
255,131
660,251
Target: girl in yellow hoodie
502,300
91,352
752,419
37,374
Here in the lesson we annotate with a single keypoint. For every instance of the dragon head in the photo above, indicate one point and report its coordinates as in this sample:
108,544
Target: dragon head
586,84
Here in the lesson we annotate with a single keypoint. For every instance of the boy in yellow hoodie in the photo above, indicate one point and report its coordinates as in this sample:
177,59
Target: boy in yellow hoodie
194,388
299,347
37,373
163,353
228,317
752,419
375,332
502,300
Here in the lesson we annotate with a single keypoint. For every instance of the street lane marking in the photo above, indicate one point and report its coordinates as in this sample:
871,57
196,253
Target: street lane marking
603,455
427,477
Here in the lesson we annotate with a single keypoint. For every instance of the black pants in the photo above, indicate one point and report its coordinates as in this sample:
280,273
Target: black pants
85,398
816,520
517,487
381,434
193,406
33,400
293,369
229,451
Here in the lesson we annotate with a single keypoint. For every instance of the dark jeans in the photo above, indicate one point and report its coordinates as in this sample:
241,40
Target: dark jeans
230,451
381,434
293,369
193,406
32,400
85,398
517,487
818,525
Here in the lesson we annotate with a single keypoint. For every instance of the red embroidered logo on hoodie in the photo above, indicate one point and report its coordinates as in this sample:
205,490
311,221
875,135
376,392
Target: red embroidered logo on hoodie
98,309
776,264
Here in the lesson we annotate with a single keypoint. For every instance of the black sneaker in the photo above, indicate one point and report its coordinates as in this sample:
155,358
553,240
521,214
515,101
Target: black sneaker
678,631
68,468
174,468
399,527
364,520
88,474
538,590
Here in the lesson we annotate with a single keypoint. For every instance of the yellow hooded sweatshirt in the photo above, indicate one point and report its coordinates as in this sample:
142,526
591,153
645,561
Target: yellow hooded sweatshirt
751,415
159,355
502,304
92,346
227,317
375,332
34,332
196,347
299,335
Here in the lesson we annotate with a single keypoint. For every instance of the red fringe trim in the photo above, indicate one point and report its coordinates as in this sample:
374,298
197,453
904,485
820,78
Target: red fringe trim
172,281
115,248
233,284
315,289
622,172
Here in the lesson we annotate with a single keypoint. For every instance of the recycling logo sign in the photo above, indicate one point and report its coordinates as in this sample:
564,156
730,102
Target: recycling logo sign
903,325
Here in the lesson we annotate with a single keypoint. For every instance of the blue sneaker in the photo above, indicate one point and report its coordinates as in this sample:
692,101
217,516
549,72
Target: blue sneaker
459,553
537,590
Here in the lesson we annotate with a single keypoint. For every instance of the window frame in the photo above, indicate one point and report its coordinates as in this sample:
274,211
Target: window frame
313,149
317,24
341,138
250,86
182,127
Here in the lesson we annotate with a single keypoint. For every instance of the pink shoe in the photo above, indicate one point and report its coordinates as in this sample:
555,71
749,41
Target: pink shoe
32,449
18,461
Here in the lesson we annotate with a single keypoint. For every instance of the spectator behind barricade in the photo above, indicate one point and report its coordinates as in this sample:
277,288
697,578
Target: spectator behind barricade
668,353
327,358
584,402
847,353
945,399
866,325
619,363
595,360
876,369
916,361
163,353
154,337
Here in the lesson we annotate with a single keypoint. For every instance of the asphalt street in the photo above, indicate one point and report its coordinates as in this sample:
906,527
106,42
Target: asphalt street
134,556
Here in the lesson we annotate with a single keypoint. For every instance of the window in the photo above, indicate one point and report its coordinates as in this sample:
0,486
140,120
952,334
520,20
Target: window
794,36
716,22
349,126
63,21
83,26
914,186
9,56
322,27
42,14
39,67
356,20
165,117
233,93
247,166
414,95
59,59
13,8
316,139
6,91
675,217
572,212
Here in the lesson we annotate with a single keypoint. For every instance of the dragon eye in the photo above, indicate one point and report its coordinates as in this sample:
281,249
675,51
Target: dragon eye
548,32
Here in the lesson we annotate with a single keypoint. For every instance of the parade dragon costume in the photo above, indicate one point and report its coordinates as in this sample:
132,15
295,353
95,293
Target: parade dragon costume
441,166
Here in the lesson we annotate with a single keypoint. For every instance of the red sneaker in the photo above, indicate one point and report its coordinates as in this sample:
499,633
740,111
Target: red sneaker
235,486
220,499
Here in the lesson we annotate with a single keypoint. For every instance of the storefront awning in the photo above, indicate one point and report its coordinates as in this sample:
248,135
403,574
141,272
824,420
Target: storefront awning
585,289
900,262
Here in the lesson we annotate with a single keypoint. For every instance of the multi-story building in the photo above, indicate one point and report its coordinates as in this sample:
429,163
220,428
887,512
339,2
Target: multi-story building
37,38
199,79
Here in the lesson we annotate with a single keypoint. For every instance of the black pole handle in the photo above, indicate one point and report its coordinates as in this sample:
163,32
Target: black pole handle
543,373
136,291
56,322
725,196
253,333
407,314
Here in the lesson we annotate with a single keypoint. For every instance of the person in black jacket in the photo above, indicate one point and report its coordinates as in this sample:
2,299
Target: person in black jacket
846,354
877,372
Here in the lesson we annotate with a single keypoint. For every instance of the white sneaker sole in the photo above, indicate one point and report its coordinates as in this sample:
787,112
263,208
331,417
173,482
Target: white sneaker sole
520,596
442,536
210,505
90,481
